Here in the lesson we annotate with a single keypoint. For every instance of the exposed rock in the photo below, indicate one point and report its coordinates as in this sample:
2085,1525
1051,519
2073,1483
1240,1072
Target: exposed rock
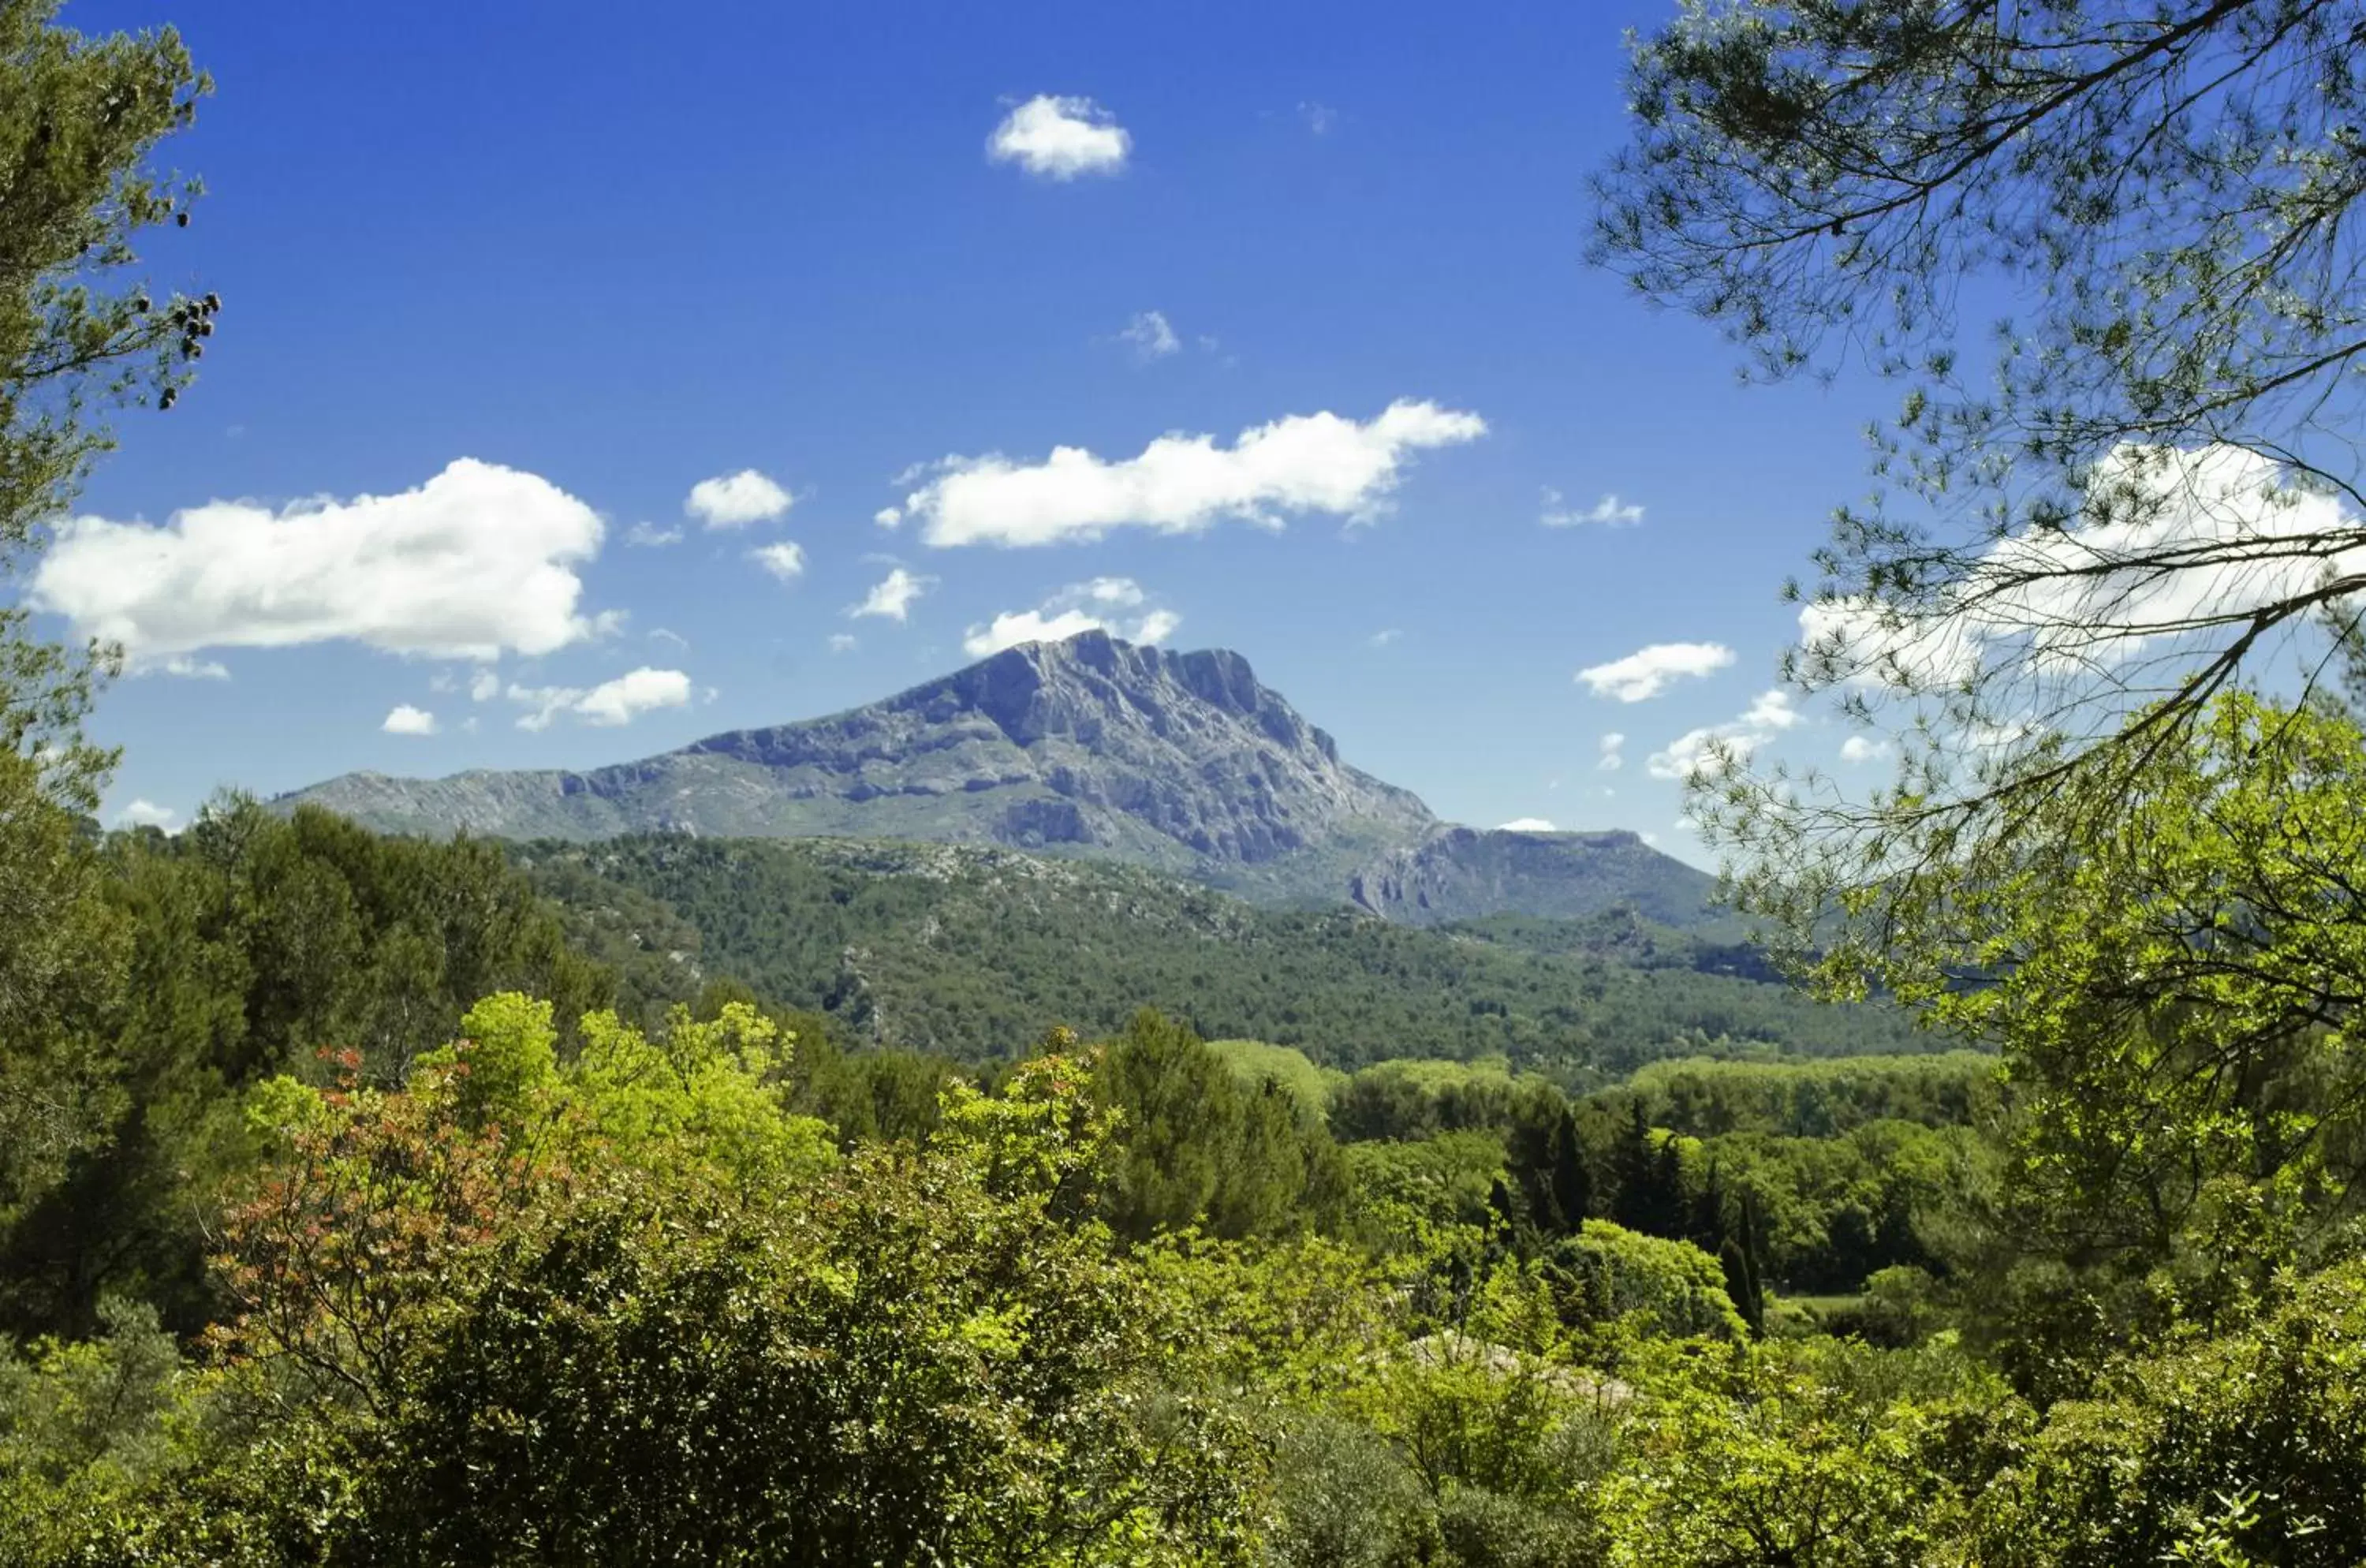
1092,746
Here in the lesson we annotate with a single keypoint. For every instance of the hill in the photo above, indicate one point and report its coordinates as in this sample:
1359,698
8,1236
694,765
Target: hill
1091,748
975,951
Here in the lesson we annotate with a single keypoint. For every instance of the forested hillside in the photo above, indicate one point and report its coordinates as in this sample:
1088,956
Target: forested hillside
963,951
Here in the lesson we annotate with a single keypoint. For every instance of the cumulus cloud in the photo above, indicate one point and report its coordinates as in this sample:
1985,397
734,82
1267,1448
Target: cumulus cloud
841,642
1304,463
1528,825
648,535
1111,604
888,516
1151,337
891,598
734,501
477,560
1384,638
485,687
2197,539
616,702
145,814
1060,137
783,561
1711,750
1859,748
408,721
1648,672
188,669
1610,512
1613,755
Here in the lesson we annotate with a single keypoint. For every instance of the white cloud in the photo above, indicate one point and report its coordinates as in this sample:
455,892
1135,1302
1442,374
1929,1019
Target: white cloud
1151,337
408,721
1105,603
1648,672
1528,825
1060,137
1712,749
616,702
188,669
485,687
1610,512
841,642
1382,638
737,500
2199,539
1612,757
477,560
1304,463
1858,749
648,535
145,814
888,516
1319,118
891,598
663,634
784,560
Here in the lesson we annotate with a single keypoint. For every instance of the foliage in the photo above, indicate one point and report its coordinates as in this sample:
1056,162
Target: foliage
2257,1438
1606,1273
211,962
972,956
1201,1147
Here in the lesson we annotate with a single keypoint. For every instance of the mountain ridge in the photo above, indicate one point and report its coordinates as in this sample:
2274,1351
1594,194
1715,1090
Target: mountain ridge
1181,761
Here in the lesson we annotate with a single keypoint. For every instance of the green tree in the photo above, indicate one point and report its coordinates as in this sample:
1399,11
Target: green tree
2155,491
79,118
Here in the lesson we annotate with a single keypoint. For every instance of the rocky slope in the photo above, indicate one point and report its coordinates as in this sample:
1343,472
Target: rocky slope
1091,746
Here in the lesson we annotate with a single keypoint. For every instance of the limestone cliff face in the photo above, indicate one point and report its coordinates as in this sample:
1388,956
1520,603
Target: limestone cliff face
1094,747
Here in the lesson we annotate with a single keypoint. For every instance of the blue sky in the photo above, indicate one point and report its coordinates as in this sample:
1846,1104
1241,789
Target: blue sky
596,255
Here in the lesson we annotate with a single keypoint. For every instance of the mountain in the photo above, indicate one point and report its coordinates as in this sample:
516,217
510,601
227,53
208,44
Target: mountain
1183,762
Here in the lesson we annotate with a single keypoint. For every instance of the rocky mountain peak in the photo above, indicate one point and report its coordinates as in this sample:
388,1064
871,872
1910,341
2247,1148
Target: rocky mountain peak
1092,746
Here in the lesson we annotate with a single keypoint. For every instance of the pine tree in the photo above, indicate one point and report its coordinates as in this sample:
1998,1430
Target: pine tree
1570,1183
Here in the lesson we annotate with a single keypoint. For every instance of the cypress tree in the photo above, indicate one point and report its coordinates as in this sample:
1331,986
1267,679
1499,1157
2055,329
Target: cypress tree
1569,1181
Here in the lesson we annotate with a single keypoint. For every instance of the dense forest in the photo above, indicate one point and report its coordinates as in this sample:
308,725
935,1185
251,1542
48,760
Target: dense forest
373,1201
961,951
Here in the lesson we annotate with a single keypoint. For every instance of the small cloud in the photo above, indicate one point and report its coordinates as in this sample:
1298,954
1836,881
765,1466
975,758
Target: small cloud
1384,638
1609,512
784,560
889,517
891,598
841,642
1861,749
1528,825
1151,337
660,634
146,814
1057,138
408,721
1105,604
1612,758
1712,750
737,500
485,687
1648,672
188,669
1319,118
610,703
648,535
1650,841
